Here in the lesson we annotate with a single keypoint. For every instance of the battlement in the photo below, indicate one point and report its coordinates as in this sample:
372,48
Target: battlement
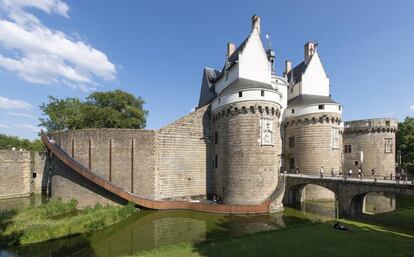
372,125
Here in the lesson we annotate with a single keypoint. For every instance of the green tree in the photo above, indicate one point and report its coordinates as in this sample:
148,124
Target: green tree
113,109
8,142
405,143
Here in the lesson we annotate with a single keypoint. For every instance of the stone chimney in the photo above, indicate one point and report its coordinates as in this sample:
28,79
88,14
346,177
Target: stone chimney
256,23
230,49
309,50
288,66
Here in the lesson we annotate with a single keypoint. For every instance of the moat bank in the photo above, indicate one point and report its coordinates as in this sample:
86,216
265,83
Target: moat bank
199,233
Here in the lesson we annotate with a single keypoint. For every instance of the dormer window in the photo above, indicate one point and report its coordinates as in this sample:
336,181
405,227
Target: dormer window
340,107
321,107
240,94
262,93
293,111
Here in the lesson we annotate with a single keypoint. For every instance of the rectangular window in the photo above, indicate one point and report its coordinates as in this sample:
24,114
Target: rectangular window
240,94
339,107
219,100
291,142
216,161
291,163
387,123
215,138
348,149
34,174
291,90
262,93
356,163
388,145
293,110
321,107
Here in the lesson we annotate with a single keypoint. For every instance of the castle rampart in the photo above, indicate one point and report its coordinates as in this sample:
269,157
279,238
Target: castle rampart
169,163
245,164
370,144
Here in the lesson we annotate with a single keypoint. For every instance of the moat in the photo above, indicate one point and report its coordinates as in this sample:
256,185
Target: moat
148,230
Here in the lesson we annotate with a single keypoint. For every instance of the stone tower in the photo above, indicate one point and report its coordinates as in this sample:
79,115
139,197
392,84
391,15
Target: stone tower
370,144
245,122
312,122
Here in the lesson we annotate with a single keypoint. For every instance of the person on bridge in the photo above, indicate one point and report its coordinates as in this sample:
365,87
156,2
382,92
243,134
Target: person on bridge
373,172
349,172
332,172
360,173
297,169
321,172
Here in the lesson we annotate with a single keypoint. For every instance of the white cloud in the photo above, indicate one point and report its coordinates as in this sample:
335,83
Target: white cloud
28,127
4,126
44,55
411,108
21,114
6,103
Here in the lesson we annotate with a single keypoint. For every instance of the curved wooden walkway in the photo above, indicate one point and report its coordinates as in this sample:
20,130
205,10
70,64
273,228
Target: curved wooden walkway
157,204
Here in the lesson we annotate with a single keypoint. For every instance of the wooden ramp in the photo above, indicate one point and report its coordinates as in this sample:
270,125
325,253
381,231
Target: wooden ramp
59,153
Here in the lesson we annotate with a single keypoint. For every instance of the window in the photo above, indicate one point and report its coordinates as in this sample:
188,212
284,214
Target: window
291,163
291,142
387,123
291,90
339,107
348,149
240,94
388,145
262,93
293,110
219,100
321,107
216,161
34,174
356,163
215,138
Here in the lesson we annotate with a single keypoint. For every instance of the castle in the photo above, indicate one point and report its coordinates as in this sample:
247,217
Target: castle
250,125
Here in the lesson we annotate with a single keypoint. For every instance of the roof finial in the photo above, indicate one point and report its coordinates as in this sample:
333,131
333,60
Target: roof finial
256,23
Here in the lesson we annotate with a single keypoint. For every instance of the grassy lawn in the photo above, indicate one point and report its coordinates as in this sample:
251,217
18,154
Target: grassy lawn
56,220
365,238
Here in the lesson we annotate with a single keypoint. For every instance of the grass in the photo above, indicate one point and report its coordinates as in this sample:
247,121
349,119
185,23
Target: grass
56,220
316,239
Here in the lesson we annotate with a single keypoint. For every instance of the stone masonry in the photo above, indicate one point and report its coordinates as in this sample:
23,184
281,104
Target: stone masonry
246,171
376,139
15,174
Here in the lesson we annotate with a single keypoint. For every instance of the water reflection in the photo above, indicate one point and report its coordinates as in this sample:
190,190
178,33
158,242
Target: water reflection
149,230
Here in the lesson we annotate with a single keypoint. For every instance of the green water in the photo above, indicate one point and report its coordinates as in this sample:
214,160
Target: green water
147,230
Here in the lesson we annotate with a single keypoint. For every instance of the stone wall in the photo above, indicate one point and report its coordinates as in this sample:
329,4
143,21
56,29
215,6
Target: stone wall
369,136
169,163
39,169
182,156
313,147
246,171
126,157
15,174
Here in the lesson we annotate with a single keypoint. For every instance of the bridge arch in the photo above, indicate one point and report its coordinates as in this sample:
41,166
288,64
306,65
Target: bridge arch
373,202
308,192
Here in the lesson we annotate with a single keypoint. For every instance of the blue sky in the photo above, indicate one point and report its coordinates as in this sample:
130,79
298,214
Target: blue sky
157,50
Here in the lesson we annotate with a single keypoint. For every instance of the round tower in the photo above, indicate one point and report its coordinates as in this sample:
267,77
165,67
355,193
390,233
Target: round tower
313,135
313,139
246,142
370,144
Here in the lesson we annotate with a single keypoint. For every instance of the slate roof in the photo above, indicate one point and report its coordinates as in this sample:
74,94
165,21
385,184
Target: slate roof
309,100
295,75
243,84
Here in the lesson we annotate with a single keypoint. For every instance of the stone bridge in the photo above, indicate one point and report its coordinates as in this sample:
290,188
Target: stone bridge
349,192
